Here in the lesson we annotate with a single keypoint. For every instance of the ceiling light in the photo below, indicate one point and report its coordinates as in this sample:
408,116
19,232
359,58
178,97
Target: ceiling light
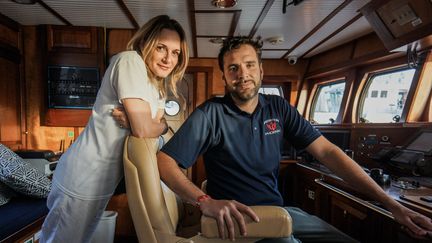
275,40
224,3
25,1
217,40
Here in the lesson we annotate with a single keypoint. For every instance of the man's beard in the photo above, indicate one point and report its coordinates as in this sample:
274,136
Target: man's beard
245,96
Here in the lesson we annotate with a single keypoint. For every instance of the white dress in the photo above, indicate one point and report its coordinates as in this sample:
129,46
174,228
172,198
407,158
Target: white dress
89,171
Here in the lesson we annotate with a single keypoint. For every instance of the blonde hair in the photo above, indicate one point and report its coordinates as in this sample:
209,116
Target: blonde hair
145,41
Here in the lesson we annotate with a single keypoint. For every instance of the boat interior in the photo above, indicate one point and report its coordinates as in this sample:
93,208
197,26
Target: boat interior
360,71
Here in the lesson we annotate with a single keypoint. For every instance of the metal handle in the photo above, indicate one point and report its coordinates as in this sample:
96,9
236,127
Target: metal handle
354,198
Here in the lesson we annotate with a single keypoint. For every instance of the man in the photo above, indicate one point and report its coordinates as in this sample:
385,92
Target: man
240,136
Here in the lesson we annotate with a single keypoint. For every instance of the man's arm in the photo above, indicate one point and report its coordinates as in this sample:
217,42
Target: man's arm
343,166
222,210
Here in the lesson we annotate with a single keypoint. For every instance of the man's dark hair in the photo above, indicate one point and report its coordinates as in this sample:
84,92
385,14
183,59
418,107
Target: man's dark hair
234,43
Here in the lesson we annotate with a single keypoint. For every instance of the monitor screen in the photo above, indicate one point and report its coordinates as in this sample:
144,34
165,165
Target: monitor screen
422,143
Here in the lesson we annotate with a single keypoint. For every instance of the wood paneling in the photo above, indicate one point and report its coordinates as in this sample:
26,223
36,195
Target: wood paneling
11,105
12,118
72,39
117,40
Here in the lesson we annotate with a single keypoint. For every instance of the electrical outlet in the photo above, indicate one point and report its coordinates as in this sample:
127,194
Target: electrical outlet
311,194
404,14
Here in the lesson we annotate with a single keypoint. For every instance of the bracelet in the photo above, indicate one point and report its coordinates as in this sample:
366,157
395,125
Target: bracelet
200,199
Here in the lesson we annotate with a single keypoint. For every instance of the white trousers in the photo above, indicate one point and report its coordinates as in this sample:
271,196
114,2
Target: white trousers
71,219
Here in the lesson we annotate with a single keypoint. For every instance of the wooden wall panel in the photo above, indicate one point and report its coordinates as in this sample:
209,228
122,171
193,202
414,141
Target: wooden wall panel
337,55
10,105
367,45
117,40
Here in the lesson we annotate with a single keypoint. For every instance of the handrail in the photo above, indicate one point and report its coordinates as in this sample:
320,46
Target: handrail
369,205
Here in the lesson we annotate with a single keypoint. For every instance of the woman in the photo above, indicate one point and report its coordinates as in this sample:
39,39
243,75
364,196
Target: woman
88,173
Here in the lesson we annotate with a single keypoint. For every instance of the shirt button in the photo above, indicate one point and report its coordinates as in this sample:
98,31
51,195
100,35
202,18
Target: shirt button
255,128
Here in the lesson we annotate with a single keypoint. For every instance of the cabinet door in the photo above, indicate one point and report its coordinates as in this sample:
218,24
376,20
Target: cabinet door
11,105
352,220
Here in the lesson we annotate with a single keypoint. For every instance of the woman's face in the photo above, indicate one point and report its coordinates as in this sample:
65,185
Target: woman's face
165,56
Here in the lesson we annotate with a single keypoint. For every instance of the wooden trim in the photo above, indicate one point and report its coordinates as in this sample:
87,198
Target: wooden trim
234,22
317,27
332,34
413,91
53,12
261,17
10,23
379,56
27,230
128,13
419,105
191,5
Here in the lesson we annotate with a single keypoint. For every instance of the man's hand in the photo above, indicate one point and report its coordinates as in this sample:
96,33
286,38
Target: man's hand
415,224
119,115
224,211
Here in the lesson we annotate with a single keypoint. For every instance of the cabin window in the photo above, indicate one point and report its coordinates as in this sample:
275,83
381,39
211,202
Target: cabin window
327,102
384,96
271,89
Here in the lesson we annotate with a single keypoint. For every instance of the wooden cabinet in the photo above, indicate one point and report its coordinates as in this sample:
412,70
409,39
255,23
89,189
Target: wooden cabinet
348,215
351,219
12,115
76,47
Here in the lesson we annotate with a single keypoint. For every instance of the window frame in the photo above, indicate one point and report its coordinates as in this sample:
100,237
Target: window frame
364,92
317,88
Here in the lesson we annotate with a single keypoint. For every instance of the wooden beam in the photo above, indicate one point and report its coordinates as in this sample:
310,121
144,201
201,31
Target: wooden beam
192,19
53,12
316,28
261,17
128,13
333,34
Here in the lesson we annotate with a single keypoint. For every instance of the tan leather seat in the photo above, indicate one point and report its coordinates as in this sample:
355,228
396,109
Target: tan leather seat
155,209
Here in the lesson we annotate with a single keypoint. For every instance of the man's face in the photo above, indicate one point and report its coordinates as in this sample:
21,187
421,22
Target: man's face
242,72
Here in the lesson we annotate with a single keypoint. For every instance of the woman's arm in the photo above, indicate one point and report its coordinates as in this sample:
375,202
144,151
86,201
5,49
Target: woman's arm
142,124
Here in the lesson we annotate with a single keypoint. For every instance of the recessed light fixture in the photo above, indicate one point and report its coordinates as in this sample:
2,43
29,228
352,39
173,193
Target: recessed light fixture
217,40
224,3
275,40
25,1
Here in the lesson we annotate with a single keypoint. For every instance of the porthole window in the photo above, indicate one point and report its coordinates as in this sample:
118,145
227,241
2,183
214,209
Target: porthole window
327,102
384,96
172,107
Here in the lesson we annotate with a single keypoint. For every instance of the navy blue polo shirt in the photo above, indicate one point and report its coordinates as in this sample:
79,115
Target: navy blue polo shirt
241,151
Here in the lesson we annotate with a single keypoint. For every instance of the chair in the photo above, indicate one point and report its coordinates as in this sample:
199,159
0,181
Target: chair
156,210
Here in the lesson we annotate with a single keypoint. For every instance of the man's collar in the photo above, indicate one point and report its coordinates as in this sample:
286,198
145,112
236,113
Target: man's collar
232,108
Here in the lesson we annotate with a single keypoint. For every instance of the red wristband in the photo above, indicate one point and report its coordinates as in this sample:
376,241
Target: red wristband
200,199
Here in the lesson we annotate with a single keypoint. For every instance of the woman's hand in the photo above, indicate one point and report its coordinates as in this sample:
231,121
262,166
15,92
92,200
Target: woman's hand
119,115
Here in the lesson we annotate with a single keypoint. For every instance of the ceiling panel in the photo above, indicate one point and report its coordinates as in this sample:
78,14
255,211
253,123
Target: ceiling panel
206,48
28,14
213,24
272,54
102,13
296,22
359,28
341,18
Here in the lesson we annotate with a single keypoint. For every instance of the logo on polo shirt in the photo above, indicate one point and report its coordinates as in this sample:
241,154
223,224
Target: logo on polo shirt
271,126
